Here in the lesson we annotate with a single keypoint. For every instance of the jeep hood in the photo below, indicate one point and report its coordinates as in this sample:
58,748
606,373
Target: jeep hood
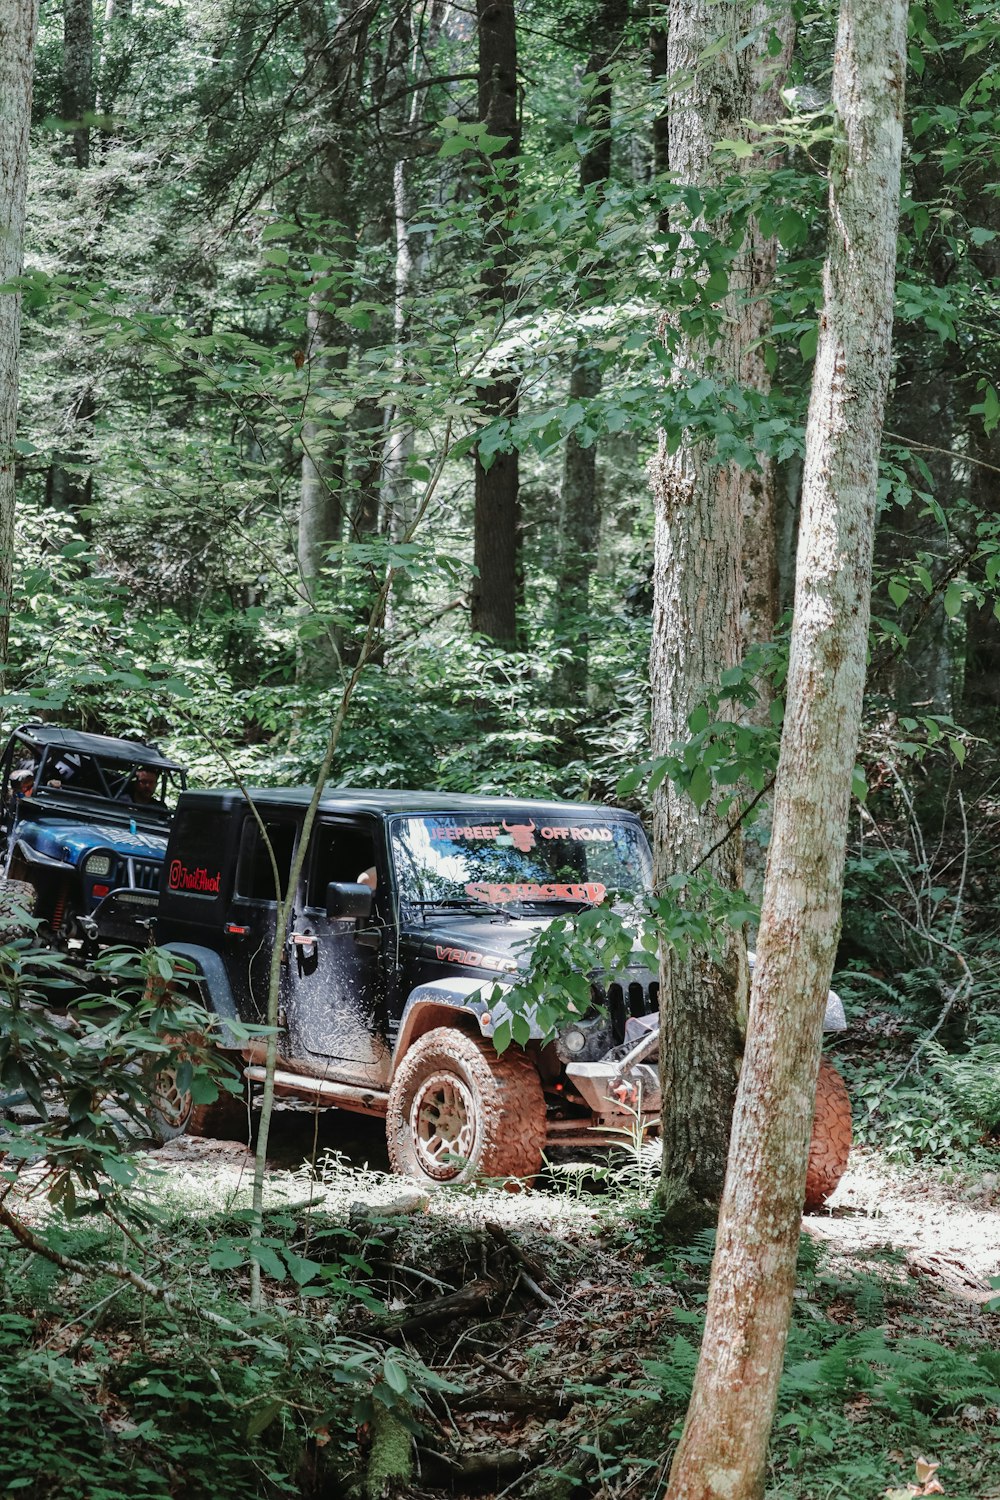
485,942
71,842
475,942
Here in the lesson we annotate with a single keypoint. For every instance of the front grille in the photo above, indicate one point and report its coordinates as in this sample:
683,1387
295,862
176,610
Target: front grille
629,998
147,874
137,874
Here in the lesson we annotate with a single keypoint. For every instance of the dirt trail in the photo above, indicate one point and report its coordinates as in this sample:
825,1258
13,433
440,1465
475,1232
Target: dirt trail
948,1232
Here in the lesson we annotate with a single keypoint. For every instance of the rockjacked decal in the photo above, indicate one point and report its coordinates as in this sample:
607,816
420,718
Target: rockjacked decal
482,890
180,878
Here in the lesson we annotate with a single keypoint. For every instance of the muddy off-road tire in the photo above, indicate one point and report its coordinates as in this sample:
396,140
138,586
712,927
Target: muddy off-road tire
173,1112
458,1111
831,1138
17,900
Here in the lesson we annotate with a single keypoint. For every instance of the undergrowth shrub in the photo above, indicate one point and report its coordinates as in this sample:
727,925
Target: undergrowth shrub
945,1108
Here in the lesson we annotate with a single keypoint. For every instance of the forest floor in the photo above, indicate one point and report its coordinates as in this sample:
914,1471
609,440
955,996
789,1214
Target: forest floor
543,1341
569,1333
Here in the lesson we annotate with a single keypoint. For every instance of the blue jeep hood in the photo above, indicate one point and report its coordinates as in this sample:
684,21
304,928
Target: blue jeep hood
72,842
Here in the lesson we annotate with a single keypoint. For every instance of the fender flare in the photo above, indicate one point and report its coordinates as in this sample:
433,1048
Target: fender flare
217,992
479,1001
33,857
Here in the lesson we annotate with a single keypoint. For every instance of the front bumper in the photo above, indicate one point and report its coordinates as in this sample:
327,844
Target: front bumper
625,1083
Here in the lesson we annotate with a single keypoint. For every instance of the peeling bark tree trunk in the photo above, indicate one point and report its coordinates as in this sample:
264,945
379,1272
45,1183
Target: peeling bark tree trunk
494,590
698,569
18,28
723,1449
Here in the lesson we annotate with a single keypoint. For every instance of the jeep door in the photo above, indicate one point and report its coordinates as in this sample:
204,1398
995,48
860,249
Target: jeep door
336,1003
251,919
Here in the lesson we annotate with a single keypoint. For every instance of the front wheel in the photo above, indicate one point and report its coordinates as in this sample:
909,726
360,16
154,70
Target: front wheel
831,1138
458,1110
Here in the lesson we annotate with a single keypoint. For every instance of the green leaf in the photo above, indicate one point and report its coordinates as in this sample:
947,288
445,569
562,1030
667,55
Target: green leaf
521,1030
734,148
700,787
859,784
454,146
301,1268
263,1418
270,1263
953,597
502,1037
395,1375
226,1258
899,592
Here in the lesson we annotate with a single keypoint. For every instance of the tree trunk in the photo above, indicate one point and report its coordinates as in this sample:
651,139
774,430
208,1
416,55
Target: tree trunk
396,487
753,277
18,28
753,274
722,1453
333,67
698,558
68,484
77,96
658,27
496,524
579,499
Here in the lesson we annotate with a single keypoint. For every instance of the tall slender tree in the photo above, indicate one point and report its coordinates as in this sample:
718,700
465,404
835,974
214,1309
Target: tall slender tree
78,74
723,1449
716,60
18,29
579,499
494,592
334,62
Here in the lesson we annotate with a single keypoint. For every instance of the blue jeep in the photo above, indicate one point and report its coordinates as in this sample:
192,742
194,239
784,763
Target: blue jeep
84,821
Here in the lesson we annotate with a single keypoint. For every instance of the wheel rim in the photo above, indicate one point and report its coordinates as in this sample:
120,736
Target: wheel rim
443,1124
173,1103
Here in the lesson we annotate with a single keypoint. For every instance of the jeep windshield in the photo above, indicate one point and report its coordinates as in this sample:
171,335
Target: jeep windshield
576,860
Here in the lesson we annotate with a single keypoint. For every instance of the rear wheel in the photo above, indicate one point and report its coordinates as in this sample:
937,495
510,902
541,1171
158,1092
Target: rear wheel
174,1113
458,1111
831,1138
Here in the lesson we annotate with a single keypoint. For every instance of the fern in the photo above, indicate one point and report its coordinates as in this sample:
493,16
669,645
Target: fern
972,1081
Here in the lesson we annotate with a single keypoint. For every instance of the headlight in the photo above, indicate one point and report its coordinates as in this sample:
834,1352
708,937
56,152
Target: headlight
573,1040
98,864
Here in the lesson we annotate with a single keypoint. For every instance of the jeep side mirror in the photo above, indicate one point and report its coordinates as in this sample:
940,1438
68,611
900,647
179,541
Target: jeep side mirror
348,899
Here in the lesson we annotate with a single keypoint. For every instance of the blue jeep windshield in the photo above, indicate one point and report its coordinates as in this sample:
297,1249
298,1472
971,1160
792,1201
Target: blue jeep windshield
579,859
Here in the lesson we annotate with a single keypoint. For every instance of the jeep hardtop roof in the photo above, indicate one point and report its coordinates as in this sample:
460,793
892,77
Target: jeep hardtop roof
104,745
385,803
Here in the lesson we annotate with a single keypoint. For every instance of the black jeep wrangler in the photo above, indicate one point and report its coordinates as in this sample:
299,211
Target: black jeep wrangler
410,913
83,827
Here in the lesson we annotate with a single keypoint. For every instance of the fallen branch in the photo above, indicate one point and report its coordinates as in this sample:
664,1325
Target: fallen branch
478,1296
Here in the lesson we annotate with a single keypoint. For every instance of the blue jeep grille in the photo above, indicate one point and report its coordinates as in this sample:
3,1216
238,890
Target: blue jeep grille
145,874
